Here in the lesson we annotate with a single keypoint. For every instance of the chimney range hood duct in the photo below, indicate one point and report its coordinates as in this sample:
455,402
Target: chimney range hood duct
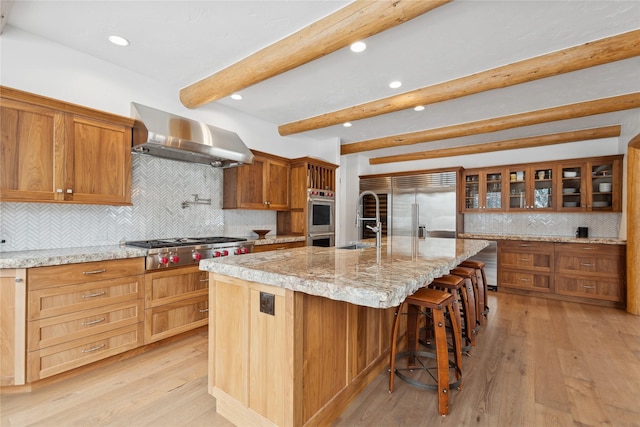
162,134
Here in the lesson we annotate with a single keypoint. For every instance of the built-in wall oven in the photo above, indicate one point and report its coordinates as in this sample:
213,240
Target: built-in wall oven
321,218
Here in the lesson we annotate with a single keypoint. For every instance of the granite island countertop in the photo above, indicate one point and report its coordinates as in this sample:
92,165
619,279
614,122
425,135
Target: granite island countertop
552,239
374,277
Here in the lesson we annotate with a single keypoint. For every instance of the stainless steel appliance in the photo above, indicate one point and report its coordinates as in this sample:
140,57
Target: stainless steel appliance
325,240
180,252
162,134
421,205
320,217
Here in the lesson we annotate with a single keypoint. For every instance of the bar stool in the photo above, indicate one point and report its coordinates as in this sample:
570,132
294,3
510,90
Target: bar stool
483,285
433,302
455,286
469,277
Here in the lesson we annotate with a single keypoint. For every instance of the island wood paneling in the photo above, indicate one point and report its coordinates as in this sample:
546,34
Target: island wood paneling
300,366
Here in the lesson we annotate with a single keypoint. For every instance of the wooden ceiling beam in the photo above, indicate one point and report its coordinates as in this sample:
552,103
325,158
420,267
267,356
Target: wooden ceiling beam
603,51
510,144
354,22
564,112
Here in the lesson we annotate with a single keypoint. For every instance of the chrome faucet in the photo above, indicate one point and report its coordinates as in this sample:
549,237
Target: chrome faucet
378,227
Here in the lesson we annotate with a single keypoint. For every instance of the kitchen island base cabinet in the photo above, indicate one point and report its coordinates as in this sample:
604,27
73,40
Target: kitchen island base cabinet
301,365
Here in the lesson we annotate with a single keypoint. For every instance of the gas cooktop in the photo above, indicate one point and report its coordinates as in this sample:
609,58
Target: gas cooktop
186,241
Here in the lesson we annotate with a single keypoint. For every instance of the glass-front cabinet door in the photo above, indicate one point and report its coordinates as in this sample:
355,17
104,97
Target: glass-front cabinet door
530,188
493,190
483,190
571,187
471,202
604,177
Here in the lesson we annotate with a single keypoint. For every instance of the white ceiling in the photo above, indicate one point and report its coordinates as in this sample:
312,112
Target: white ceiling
180,42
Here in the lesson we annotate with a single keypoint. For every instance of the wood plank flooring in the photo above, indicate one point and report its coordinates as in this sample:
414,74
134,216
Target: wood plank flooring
537,362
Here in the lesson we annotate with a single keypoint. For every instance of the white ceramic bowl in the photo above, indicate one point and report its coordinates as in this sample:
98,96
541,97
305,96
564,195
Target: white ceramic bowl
569,190
605,187
570,174
600,204
570,204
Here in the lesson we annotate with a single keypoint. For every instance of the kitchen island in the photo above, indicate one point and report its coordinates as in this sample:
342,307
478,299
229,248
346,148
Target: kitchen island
296,334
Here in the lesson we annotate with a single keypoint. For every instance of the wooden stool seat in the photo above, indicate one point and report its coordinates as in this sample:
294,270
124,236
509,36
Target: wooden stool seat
436,302
483,285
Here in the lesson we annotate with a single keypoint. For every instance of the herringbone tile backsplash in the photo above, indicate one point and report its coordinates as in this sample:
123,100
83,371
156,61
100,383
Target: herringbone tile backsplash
544,224
158,189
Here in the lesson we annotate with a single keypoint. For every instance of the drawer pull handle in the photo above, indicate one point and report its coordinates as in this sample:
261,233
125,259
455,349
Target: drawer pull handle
204,280
525,280
97,294
587,264
94,271
203,310
93,349
93,322
523,245
589,248
523,259
588,287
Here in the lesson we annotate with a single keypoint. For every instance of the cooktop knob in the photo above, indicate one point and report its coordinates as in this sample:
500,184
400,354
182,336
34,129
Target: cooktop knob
174,259
163,259
197,256
216,254
225,252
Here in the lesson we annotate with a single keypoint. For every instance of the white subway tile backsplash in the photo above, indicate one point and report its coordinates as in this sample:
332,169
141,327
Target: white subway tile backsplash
159,187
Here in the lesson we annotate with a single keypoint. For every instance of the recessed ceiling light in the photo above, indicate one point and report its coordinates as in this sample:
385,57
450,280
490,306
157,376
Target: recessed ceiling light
358,47
120,41
347,124
419,107
395,84
236,96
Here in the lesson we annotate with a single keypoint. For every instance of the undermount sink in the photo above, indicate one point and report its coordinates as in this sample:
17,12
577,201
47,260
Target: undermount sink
356,246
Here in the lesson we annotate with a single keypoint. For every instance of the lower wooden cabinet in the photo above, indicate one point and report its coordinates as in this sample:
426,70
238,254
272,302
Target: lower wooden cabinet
81,313
278,246
175,301
593,273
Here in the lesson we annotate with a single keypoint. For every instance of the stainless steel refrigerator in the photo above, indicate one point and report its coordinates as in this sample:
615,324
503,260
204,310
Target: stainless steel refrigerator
424,205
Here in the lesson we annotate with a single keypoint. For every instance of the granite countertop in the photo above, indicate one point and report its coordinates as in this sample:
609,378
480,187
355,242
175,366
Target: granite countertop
554,239
46,257
60,256
379,278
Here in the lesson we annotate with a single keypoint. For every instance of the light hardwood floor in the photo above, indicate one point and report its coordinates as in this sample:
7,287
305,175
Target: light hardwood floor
537,363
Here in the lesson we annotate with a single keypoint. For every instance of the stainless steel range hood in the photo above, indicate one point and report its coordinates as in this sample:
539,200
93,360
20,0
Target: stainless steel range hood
162,134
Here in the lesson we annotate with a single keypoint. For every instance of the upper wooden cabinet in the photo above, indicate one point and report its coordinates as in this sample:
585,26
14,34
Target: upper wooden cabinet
51,151
483,190
262,185
307,174
579,185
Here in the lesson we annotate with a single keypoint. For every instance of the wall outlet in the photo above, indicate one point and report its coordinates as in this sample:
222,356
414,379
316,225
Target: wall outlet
267,303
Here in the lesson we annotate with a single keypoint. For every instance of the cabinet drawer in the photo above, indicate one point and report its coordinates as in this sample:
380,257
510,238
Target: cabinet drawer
70,274
171,319
530,261
56,330
525,246
171,286
55,301
279,246
589,249
516,279
604,289
612,267
63,357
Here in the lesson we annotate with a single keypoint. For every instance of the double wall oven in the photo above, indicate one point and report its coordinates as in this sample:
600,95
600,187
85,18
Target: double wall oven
321,218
